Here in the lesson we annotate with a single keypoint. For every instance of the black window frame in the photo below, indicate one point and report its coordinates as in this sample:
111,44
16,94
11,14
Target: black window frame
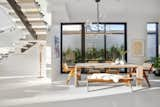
83,39
157,36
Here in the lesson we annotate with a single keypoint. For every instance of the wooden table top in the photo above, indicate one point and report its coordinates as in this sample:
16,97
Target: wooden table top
104,65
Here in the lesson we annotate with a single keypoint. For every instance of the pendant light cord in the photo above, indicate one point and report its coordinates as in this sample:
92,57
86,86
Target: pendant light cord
97,1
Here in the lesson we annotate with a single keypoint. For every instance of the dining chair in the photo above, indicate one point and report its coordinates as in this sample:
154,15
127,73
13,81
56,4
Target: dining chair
71,72
147,69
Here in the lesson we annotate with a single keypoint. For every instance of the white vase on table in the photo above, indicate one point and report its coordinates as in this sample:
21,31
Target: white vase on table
122,61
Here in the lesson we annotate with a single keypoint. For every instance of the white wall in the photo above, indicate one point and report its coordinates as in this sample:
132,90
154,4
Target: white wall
55,66
21,64
136,13
5,18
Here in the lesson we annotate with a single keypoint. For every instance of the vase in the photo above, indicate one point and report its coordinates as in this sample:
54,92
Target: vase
117,61
122,61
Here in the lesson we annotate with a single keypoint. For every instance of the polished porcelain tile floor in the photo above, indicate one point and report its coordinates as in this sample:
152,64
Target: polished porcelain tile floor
40,92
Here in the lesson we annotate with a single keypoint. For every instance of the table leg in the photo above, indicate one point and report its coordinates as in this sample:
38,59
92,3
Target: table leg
130,72
140,76
139,82
76,79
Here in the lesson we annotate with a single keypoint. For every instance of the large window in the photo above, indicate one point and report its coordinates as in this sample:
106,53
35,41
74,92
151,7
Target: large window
152,40
81,43
94,43
71,43
115,40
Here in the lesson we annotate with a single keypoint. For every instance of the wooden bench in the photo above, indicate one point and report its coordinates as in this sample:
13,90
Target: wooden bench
123,79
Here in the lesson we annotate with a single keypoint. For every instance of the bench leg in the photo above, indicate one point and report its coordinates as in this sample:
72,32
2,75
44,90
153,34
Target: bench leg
87,86
130,85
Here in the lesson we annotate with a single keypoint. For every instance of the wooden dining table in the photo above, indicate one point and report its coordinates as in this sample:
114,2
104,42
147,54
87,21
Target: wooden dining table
131,68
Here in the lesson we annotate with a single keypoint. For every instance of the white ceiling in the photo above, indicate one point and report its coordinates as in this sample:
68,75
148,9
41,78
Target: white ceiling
82,10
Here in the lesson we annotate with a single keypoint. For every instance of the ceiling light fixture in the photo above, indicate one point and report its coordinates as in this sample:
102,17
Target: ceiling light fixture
98,13
96,25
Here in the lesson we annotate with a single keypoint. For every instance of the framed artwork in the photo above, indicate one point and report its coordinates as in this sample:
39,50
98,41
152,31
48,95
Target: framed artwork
138,47
57,46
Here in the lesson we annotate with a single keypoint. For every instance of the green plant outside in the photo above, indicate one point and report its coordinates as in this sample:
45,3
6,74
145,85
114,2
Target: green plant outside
74,56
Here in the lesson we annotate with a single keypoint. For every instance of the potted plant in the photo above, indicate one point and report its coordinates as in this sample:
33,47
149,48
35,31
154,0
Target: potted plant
122,54
156,65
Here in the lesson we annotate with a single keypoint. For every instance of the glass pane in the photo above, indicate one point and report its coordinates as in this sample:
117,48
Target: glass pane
151,40
151,27
115,27
115,43
95,27
71,45
71,28
71,48
151,45
94,49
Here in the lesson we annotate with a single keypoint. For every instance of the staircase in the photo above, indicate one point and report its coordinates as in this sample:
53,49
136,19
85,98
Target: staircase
31,23
5,52
34,15
19,47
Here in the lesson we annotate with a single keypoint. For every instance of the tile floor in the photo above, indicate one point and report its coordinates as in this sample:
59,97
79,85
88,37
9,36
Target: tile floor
31,91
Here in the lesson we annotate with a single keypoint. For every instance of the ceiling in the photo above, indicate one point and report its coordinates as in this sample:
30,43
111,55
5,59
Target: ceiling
82,10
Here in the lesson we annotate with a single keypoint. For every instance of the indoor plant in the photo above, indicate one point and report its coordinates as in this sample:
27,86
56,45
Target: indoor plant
122,53
156,65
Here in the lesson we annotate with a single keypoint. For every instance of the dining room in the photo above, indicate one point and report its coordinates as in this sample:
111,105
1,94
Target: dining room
79,53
